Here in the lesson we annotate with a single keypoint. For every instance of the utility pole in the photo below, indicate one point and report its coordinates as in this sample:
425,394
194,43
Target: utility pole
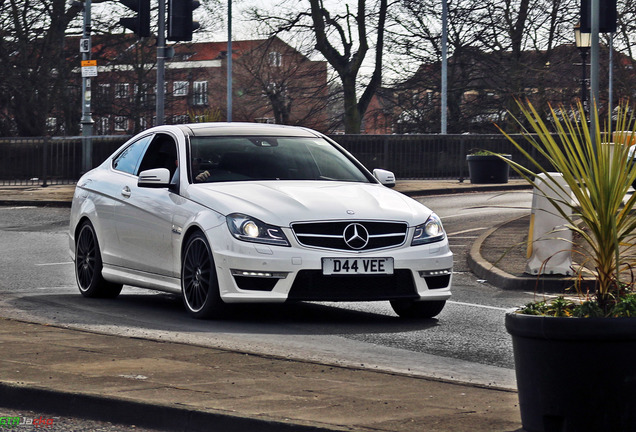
87,120
229,60
594,70
161,64
444,109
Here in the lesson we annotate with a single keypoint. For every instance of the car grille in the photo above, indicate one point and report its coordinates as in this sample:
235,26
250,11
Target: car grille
350,235
312,285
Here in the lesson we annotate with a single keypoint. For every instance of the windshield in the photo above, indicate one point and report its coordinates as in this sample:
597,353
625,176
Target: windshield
222,159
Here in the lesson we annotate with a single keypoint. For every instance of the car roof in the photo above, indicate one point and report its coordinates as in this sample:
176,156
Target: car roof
207,129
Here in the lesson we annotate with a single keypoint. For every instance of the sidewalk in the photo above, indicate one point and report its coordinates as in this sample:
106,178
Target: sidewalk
183,387
61,195
177,386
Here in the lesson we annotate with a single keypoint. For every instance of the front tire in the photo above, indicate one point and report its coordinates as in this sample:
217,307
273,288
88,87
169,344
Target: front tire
88,266
199,285
417,309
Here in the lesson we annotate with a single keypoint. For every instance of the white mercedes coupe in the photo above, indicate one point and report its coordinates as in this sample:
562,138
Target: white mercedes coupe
225,213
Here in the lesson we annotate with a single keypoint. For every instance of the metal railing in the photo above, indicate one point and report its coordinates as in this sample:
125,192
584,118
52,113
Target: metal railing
427,156
58,160
49,160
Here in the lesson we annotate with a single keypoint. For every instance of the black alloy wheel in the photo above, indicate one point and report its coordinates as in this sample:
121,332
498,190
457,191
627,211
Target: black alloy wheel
199,284
88,266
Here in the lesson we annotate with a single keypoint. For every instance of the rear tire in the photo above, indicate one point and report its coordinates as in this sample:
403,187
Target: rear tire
199,285
417,309
88,266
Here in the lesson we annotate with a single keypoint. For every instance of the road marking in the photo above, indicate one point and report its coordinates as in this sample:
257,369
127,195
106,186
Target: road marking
54,264
65,288
19,208
466,231
482,306
483,212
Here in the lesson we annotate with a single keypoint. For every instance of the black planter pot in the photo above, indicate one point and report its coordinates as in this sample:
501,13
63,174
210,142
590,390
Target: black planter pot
575,374
485,169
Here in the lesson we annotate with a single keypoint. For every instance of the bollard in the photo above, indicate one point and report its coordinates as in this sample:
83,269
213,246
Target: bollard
549,239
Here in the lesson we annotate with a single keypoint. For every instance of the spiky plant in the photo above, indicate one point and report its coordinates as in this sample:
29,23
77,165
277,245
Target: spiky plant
598,176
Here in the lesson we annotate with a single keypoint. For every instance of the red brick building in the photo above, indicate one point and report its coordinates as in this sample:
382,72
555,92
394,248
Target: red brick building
272,83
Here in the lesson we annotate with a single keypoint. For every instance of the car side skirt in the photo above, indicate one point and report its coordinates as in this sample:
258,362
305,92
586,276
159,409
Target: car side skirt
141,279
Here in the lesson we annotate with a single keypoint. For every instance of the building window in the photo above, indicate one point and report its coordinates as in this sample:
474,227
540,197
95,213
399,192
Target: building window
141,92
274,88
121,123
180,88
180,119
200,89
103,126
122,91
103,100
275,59
51,124
103,90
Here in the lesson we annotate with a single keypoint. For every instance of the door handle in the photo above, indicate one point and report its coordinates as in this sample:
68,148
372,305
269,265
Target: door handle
125,192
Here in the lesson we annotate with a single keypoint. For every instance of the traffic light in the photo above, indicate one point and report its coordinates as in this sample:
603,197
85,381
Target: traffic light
140,23
180,24
606,16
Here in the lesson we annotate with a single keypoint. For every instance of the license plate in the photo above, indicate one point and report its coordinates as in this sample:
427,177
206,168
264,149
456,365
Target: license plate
357,266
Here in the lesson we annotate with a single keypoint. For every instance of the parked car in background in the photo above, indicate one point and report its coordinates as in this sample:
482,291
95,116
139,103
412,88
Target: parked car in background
225,213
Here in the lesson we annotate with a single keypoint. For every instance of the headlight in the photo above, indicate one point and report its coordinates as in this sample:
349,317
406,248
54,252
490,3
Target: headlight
249,229
429,232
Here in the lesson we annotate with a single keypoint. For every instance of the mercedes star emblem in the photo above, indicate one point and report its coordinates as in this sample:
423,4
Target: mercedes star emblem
356,236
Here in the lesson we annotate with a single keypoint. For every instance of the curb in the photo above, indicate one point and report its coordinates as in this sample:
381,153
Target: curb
469,189
142,414
36,203
504,280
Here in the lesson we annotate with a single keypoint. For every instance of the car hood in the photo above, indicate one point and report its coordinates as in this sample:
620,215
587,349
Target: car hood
283,202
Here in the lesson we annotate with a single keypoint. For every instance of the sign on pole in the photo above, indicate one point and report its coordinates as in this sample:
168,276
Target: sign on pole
89,68
85,45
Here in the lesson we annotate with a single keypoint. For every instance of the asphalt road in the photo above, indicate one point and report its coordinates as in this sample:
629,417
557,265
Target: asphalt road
467,341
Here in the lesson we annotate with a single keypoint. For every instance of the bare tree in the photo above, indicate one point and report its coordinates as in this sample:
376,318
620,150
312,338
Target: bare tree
32,63
295,87
625,52
499,51
416,39
523,36
125,90
343,38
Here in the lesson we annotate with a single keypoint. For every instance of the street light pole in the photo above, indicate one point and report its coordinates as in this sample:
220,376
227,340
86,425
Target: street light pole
87,120
229,61
583,41
594,70
584,79
444,113
161,65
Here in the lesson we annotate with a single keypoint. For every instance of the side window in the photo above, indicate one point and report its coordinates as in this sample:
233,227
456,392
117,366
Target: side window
128,160
161,153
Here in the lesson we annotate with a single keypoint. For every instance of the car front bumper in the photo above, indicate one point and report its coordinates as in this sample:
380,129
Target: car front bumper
249,272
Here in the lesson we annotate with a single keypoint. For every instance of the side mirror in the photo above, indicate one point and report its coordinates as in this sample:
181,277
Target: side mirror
154,178
387,178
